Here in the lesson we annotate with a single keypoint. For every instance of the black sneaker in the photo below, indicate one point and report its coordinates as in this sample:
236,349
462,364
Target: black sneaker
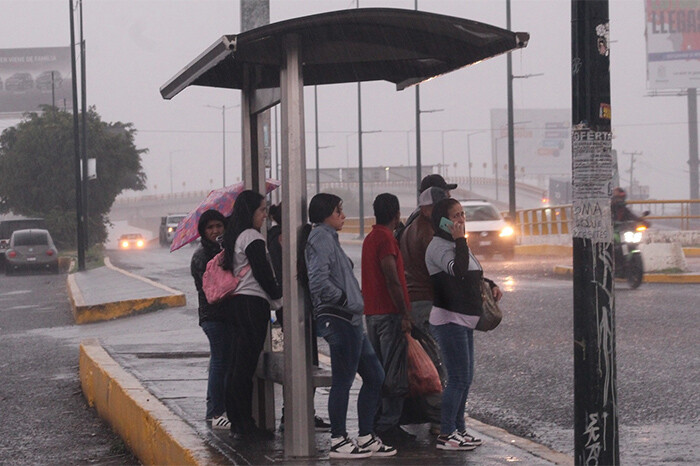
453,442
321,425
345,448
470,438
396,435
374,444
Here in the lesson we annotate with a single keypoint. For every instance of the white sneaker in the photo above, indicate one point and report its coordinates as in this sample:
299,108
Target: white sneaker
220,422
374,444
454,441
345,448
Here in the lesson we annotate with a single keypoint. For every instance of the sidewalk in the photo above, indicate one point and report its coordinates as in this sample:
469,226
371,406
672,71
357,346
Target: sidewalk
153,395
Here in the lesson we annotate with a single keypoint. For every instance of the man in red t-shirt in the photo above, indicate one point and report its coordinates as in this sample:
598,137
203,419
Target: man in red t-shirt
387,311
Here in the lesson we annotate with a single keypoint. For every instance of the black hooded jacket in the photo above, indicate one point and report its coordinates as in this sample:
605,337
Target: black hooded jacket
203,254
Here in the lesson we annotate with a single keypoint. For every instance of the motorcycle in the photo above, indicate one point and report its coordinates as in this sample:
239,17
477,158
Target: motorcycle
628,257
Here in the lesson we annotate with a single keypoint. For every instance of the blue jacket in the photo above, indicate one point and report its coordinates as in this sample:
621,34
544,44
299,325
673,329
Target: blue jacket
333,287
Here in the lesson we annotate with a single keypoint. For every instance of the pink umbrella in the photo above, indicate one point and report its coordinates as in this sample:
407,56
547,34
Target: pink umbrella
221,199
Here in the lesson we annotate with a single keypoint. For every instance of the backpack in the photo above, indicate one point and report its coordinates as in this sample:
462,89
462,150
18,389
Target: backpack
218,283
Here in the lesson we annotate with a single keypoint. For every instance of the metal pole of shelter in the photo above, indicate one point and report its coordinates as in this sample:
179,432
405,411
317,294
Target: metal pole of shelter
298,389
318,173
360,169
596,439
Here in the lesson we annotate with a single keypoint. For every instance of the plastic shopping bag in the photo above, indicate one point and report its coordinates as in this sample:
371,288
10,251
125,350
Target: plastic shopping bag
423,377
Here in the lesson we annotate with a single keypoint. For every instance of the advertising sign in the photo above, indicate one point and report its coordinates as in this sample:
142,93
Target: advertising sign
542,142
32,77
673,44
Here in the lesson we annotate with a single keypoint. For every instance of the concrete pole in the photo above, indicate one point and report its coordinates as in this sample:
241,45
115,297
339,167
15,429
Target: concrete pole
511,131
596,439
76,145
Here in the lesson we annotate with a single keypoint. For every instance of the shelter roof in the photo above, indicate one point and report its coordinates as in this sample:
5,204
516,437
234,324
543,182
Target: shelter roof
401,46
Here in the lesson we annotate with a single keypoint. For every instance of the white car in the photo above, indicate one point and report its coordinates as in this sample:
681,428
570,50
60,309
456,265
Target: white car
487,231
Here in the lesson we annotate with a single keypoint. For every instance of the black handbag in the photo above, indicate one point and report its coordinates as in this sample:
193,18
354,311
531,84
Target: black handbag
491,314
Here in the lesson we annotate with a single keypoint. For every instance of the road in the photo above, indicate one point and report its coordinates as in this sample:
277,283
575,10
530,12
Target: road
44,417
524,369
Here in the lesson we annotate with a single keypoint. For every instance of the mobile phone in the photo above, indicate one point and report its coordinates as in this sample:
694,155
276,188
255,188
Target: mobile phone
445,224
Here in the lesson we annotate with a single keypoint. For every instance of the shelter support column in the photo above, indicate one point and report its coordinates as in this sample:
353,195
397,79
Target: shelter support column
298,389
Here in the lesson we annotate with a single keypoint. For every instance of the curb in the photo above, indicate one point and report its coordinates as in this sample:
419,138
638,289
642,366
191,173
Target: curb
691,252
153,433
677,278
543,250
86,313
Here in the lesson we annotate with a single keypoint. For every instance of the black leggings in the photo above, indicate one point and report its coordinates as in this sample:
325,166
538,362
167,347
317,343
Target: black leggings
250,316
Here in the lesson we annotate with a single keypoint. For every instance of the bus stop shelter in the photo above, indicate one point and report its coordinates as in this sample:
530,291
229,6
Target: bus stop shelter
270,65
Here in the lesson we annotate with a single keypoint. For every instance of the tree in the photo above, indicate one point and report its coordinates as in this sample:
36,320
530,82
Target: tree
37,171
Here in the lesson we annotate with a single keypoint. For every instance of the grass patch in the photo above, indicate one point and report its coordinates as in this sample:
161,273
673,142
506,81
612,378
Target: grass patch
94,257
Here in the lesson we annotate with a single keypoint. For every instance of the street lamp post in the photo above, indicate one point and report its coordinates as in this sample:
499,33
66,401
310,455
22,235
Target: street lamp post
223,137
469,154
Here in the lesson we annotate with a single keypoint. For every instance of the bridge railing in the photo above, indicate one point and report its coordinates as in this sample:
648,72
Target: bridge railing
556,220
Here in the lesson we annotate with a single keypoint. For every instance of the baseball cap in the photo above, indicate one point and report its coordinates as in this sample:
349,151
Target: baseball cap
431,196
435,180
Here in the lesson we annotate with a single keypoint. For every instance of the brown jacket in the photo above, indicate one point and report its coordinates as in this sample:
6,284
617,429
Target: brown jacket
414,242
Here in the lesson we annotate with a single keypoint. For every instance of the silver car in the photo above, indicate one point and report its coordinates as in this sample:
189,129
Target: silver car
31,249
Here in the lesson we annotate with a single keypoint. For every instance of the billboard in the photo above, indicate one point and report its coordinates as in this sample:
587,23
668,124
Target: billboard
32,77
673,44
542,143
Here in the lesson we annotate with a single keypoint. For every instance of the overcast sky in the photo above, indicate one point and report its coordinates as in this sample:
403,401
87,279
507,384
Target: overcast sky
135,46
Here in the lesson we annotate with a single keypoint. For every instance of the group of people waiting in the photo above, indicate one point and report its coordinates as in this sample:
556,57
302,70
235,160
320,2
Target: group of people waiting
419,275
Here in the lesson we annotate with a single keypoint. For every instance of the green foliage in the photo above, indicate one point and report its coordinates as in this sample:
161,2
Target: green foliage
37,171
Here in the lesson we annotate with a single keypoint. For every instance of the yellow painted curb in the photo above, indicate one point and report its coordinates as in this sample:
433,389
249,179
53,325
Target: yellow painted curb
679,278
84,313
691,252
108,311
565,270
543,250
152,432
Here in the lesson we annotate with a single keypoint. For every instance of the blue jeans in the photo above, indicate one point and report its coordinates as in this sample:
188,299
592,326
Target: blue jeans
351,353
219,335
385,334
457,348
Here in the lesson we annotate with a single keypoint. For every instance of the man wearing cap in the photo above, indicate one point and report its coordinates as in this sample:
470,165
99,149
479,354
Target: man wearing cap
428,181
414,241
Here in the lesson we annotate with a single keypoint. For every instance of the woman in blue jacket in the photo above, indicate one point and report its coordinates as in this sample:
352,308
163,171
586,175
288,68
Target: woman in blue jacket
338,309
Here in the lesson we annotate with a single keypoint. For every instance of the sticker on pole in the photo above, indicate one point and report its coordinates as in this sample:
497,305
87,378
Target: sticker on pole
592,172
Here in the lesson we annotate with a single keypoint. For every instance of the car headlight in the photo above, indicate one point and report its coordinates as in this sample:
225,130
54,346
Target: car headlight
170,229
139,243
632,236
506,231
125,244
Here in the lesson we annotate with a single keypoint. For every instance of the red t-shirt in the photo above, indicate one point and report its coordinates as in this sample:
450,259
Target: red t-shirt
378,244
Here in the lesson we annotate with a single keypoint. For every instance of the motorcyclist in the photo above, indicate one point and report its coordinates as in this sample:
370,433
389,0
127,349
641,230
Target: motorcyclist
619,210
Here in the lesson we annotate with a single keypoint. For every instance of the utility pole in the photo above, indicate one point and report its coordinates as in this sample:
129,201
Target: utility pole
83,131
76,145
632,155
693,147
596,439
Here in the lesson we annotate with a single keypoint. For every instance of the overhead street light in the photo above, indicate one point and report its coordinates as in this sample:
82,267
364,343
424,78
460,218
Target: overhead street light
223,137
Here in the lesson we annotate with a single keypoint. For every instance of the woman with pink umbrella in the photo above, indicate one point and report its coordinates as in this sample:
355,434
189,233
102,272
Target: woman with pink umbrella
249,309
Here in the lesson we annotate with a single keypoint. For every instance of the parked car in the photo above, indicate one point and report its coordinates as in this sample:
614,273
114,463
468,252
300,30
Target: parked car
487,231
19,82
31,249
168,225
44,80
132,241
9,226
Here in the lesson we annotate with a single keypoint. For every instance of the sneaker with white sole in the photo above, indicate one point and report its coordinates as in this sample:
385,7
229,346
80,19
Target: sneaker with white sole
220,422
454,442
346,448
470,438
374,444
